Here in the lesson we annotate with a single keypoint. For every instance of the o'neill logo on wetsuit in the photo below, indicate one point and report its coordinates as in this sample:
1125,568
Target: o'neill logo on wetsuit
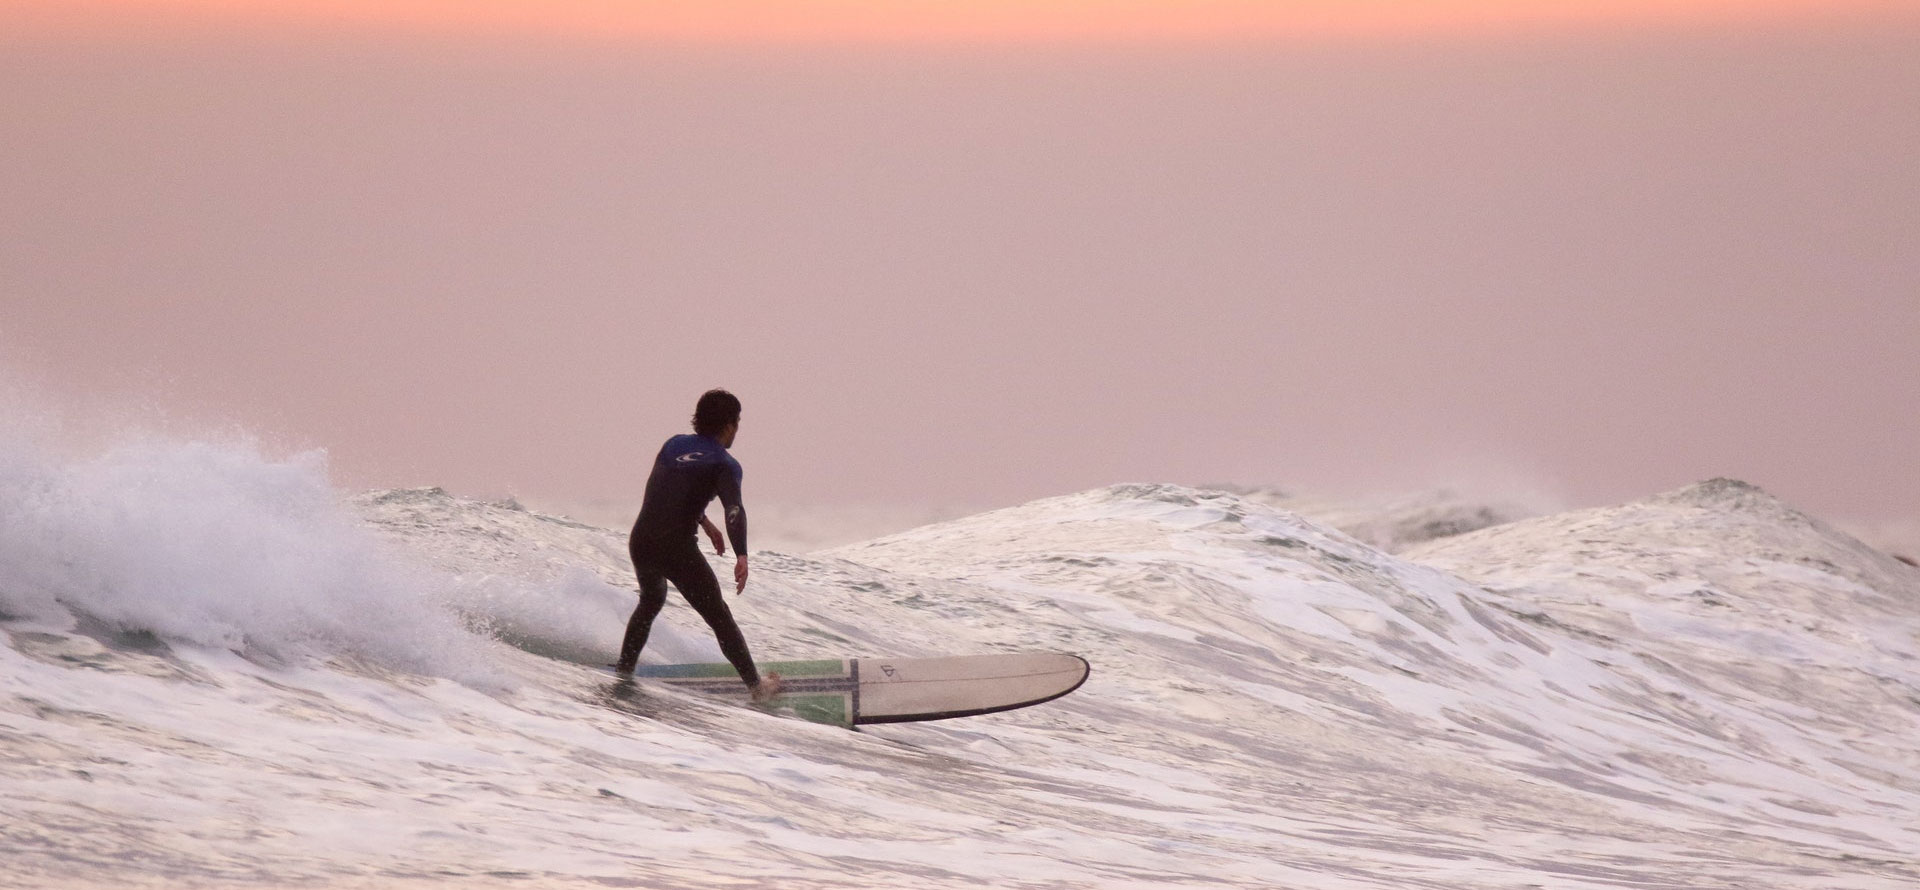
691,456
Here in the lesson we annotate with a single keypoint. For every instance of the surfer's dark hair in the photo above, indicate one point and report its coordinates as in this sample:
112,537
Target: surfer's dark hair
716,410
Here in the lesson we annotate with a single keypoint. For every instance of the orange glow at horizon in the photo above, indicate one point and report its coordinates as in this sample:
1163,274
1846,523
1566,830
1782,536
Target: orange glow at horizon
954,21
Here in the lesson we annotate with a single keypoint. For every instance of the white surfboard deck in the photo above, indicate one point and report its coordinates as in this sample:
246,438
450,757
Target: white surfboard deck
859,691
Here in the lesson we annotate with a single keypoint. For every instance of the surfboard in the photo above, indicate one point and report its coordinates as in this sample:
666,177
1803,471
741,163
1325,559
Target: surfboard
857,691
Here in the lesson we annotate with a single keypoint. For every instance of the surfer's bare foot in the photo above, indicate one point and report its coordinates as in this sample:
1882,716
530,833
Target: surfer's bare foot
768,688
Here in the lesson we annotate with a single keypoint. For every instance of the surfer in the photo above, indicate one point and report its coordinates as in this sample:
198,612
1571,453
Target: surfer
689,472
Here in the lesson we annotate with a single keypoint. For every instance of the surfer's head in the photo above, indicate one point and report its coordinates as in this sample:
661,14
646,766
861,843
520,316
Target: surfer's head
716,414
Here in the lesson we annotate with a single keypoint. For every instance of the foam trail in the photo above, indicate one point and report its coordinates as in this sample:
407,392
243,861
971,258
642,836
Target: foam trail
514,573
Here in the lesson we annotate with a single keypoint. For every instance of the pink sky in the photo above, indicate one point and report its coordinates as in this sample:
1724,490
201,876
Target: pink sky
869,22
1611,262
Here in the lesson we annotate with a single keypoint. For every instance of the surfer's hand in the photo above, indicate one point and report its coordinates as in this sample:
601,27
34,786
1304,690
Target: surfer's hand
713,532
740,573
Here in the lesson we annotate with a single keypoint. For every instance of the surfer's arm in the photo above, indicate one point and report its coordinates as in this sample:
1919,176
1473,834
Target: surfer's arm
736,512
713,534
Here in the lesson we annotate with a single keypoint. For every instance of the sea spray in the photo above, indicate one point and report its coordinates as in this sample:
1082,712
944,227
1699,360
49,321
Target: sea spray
214,543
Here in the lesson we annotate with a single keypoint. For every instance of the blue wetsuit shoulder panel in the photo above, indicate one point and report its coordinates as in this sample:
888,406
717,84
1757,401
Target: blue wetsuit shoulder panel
688,473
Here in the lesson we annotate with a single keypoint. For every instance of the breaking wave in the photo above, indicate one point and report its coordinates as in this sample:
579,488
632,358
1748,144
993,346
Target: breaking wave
216,544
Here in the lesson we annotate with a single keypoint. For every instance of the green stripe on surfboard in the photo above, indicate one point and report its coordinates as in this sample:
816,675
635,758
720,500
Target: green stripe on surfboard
791,670
829,708
819,691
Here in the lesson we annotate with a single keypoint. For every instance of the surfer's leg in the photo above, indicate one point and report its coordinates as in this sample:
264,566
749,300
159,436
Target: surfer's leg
696,582
653,595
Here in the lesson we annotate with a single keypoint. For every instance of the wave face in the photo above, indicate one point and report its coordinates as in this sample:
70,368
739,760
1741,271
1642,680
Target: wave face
220,672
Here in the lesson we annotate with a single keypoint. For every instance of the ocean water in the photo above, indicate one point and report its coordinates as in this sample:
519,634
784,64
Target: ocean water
220,670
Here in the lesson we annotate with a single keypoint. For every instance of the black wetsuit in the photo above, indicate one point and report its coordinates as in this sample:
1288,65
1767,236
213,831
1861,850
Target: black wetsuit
689,471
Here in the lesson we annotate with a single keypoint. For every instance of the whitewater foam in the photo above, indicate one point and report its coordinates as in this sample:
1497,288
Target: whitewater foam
1552,702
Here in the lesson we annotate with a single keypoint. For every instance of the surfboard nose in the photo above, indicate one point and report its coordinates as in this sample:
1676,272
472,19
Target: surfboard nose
910,689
